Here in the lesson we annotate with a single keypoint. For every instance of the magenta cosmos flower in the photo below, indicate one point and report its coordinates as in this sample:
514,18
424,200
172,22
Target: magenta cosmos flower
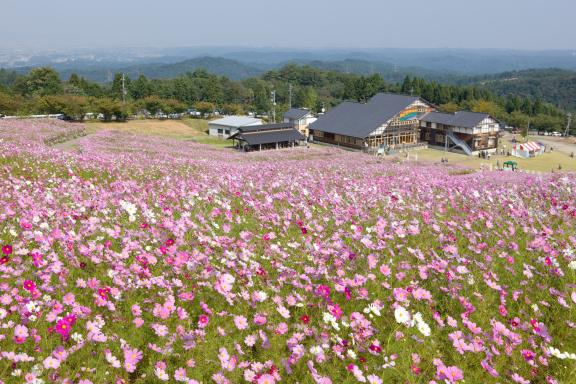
29,285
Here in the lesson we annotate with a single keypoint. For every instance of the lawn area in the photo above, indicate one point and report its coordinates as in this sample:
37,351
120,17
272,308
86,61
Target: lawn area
544,163
186,129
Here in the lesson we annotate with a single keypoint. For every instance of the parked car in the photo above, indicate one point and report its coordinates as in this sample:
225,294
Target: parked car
557,134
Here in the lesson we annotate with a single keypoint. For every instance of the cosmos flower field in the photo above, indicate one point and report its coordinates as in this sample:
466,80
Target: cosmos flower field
134,259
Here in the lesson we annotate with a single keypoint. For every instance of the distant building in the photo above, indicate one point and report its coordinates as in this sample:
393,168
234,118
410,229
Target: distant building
268,136
229,125
387,120
301,118
464,131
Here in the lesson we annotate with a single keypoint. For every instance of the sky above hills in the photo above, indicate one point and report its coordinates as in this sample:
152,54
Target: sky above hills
516,24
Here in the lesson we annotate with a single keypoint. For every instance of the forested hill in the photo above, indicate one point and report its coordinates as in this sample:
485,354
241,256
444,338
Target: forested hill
232,69
42,90
556,86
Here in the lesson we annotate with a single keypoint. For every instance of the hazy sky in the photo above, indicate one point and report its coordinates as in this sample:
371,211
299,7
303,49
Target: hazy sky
521,24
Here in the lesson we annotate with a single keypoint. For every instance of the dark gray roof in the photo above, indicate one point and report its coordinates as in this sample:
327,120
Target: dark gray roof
268,137
462,119
266,127
296,113
359,120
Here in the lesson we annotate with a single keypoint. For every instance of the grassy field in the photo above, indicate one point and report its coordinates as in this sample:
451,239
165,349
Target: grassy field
187,129
544,163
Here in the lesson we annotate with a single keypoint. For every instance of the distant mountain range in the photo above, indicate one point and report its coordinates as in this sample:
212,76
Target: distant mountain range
236,70
464,61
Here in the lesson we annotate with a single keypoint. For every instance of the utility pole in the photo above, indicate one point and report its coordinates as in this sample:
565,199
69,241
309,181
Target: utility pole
124,95
568,125
123,89
274,106
289,95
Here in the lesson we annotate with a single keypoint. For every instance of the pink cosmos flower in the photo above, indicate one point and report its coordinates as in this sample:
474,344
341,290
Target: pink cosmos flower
241,322
29,285
203,321
7,249
131,357
260,319
323,291
335,310
266,379
136,311
63,328
51,363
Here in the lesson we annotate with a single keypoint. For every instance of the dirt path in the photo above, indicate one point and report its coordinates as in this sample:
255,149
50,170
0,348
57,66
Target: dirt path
559,144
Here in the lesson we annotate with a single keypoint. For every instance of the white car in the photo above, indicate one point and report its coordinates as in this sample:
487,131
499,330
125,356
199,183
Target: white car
557,134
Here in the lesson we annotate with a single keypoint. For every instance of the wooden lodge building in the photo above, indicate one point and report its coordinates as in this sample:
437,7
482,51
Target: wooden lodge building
468,132
386,120
391,121
267,136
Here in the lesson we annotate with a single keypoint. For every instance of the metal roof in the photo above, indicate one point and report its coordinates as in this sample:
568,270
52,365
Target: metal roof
296,113
462,119
268,137
359,120
236,121
266,127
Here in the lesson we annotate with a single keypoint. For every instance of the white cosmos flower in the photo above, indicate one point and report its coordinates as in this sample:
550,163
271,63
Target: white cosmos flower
402,315
424,328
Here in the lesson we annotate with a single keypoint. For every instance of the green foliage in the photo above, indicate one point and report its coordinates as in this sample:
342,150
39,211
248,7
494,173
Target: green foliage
310,86
232,109
450,107
9,104
39,82
557,86
204,107
73,107
152,104
110,109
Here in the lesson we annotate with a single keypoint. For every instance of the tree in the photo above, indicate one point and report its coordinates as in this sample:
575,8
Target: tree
39,82
153,104
10,105
174,106
73,107
110,108
204,107
488,107
141,88
232,109
450,107
517,119
307,98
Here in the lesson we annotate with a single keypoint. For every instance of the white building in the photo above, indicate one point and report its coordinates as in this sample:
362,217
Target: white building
229,125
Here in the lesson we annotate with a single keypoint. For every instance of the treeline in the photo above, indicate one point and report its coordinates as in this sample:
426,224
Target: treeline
553,85
42,91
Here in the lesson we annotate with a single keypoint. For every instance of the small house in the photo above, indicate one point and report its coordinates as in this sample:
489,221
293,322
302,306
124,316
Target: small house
229,125
301,118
